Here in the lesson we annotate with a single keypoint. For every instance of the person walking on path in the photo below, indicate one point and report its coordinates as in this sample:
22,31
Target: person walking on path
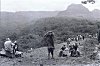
49,40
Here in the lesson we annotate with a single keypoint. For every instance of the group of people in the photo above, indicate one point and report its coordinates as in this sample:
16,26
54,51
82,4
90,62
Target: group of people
72,49
49,40
77,38
10,47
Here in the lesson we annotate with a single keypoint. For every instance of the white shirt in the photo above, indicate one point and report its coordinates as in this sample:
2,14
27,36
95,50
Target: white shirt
8,45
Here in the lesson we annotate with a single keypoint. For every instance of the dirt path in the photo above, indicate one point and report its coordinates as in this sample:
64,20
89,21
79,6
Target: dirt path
39,56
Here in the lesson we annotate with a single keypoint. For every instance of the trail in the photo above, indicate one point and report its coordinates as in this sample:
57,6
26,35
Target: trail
39,56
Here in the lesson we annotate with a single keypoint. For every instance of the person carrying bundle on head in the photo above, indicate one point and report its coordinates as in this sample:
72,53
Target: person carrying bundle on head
49,40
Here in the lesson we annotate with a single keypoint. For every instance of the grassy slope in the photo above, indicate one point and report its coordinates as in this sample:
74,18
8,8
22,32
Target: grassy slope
39,55
63,28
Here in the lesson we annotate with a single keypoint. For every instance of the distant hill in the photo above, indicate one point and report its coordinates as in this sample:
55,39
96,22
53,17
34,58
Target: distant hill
96,14
26,15
24,18
13,21
74,9
79,11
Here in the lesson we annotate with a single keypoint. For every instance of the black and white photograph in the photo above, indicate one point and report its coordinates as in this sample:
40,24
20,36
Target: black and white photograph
49,32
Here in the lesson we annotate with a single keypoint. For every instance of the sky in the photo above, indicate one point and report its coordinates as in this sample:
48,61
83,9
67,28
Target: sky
42,5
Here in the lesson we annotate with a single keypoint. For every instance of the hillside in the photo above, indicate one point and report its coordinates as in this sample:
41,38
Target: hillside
28,27
38,56
16,21
32,36
79,11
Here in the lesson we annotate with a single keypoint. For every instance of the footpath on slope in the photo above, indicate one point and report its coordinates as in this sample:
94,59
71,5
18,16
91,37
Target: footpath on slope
39,56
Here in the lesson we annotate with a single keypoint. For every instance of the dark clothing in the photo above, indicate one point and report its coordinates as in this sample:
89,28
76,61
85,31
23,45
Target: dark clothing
63,48
61,54
50,50
49,40
9,54
71,50
75,47
15,48
83,37
99,36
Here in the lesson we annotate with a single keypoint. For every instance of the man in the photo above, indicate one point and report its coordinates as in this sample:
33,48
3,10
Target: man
49,39
8,47
62,53
83,37
63,47
68,42
75,47
71,50
15,47
99,37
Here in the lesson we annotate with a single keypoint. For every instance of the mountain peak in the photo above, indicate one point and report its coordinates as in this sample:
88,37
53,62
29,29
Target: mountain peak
77,8
75,5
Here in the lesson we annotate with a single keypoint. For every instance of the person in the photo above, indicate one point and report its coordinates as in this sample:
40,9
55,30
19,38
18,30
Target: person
80,37
99,37
69,40
8,47
62,52
49,40
71,50
75,47
83,37
76,53
63,47
15,47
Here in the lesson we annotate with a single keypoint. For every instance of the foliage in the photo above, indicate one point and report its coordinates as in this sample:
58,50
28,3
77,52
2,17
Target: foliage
63,27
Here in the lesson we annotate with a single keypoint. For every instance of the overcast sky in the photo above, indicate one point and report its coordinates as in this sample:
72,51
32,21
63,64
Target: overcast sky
42,5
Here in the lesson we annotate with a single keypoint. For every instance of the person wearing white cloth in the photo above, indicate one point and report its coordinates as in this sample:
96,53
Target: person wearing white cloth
8,45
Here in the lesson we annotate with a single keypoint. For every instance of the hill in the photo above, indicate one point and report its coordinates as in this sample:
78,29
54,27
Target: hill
96,14
28,27
79,11
63,27
39,56
16,21
13,22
